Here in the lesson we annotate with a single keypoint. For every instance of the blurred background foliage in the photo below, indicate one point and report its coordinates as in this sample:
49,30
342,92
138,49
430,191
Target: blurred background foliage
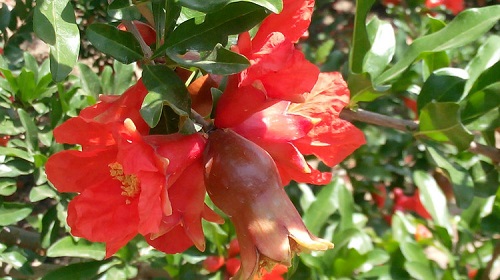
415,202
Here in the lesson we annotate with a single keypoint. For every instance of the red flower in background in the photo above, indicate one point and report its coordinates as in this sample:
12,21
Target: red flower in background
402,202
147,32
455,6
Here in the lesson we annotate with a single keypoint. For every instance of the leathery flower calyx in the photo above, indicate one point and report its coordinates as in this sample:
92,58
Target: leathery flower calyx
243,181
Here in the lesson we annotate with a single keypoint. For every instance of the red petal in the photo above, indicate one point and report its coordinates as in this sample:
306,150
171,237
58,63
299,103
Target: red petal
74,171
293,21
332,139
172,242
274,124
237,104
102,214
86,133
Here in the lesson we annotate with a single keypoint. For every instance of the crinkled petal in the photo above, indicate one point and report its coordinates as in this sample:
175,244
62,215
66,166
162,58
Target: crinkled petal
332,139
74,171
293,21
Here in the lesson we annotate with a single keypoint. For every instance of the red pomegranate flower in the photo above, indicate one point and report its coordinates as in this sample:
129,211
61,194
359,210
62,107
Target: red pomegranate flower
119,187
243,181
288,130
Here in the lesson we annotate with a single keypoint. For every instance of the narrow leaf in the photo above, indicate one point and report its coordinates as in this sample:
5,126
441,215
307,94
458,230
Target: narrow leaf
487,55
360,42
11,213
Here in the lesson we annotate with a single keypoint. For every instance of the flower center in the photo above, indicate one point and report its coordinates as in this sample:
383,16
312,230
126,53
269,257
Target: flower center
130,183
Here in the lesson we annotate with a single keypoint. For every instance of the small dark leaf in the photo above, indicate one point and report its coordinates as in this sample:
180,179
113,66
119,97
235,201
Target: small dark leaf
444,85
485,178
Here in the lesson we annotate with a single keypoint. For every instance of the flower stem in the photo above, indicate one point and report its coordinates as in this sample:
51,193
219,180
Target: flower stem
410,126
132,29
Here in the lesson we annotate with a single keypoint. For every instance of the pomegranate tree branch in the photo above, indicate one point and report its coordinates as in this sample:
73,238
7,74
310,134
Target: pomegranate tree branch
410,126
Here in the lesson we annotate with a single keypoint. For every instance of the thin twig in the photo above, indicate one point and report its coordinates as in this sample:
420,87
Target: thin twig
132,29
410,126
206,125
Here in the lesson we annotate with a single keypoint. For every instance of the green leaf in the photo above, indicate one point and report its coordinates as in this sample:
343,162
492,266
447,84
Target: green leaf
68,247
361,88
488,78
26,83
323,206
31,130
485,178
15,167
123,10
54,22
463,185
360,42
479,103
441,122
413,252
7,186
81,270
274,6
119,44
14,152
463,29
487,55
433,199
4,16
42,192
11,213
420,271
89,80
234,18
124,77
443,85
164,87
219,61
383,45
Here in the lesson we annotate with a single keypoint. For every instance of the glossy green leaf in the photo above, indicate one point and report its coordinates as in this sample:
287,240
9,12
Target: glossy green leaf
26,83
434,60
219,61
80,270
68,247
441,122
164,87
31,130
487,55
54,22
463,185
485,177
360,42
7,186
433,199
383,45
124,77
234,18
4,16
18,260
50,228
274,6
443,85
463,29
11,213
343,198
480,103
15,167
119,44
323,206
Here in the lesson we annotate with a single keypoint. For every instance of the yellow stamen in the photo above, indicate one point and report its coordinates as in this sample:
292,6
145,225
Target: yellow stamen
130,183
